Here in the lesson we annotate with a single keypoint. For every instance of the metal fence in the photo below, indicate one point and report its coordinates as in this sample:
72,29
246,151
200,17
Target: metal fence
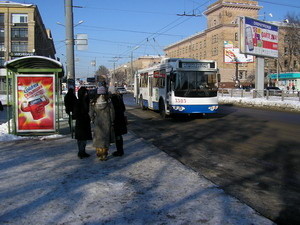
267,94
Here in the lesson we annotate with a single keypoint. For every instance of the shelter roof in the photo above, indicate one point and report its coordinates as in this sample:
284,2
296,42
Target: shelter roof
34,63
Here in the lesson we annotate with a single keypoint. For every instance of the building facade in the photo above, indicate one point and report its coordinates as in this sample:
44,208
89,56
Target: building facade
284,71
22,33
221,33
128,69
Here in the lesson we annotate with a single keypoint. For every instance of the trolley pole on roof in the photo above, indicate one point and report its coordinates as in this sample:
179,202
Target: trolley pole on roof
70,68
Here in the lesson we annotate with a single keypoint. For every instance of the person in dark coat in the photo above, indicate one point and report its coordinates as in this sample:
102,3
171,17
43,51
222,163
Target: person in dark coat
83,122
70,101
1,106
120,122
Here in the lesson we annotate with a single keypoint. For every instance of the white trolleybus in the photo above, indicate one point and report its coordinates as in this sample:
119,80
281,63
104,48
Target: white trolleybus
178,86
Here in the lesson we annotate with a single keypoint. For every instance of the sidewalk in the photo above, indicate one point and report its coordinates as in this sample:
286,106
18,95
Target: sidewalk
43,182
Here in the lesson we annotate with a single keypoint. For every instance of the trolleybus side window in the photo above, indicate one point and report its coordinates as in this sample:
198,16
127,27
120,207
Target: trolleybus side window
159,79
144,80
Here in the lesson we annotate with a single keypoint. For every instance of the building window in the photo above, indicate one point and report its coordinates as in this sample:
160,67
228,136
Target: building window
19,18
285,63
2,61
286,50
1,18
2,47
236,36
1,32
19,32
215,51
19,46
214,22
214,39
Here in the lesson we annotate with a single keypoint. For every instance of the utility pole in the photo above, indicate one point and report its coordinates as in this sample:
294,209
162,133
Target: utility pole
131,63
70,68
237,81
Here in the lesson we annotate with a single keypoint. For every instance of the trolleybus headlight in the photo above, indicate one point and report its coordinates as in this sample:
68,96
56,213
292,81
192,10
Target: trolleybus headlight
213,108
178,108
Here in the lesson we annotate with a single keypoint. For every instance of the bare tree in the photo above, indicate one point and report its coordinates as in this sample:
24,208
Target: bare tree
120,77
292,40
101,73
102,70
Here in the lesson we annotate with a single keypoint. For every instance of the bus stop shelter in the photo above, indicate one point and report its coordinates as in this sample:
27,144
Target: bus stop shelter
33,92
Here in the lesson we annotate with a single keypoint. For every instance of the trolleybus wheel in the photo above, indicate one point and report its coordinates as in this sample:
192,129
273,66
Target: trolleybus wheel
162,110
142,103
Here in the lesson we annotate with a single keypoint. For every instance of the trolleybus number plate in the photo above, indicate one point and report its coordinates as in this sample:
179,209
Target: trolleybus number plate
180,100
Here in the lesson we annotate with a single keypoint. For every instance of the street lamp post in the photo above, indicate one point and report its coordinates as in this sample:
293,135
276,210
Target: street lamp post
70,43
131,62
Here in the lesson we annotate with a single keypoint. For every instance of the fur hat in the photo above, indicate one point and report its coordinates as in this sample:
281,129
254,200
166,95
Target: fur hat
101,90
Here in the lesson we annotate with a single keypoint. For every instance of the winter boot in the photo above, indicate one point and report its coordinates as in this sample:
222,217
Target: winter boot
81,147
102,153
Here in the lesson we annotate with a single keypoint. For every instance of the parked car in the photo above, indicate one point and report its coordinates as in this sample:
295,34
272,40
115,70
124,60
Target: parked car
247,88
121,90
273,91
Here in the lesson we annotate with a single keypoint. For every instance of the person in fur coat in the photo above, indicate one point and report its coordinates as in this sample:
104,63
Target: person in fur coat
102,116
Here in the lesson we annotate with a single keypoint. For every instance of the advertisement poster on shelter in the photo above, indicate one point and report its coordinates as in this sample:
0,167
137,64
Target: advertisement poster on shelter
35,103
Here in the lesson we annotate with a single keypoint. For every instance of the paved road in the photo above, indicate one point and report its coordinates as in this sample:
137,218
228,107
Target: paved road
252,154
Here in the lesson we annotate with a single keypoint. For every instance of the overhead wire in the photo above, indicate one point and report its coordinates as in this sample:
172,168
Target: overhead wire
124,30
160,31
281,4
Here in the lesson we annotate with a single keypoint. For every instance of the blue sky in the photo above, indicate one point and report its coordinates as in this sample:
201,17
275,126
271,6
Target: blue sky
116,27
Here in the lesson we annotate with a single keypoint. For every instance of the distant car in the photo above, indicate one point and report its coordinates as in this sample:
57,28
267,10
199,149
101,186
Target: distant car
247,88
275,91
121,90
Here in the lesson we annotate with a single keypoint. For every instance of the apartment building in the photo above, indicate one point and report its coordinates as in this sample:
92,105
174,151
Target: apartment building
221,32
128,69
22,33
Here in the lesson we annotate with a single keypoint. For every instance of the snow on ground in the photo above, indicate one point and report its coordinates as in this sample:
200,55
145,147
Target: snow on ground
5,136
43,182
274,102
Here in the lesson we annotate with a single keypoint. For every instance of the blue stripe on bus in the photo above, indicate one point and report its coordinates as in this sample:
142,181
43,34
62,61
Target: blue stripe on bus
193,109
155,104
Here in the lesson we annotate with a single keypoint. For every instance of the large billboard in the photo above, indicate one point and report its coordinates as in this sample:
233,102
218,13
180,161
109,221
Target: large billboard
233,55
258,38
35,104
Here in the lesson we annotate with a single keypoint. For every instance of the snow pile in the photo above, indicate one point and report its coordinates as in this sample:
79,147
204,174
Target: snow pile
5,136
262,102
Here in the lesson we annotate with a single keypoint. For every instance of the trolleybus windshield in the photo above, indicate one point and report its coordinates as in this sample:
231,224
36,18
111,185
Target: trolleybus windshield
195,84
